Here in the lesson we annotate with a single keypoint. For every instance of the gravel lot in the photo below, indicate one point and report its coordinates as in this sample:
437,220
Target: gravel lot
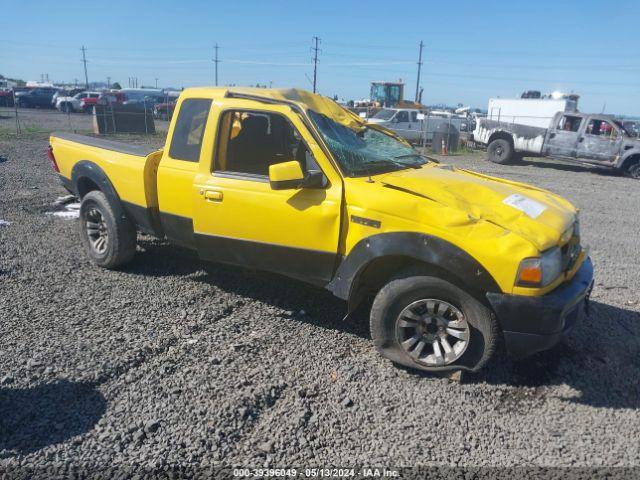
173,361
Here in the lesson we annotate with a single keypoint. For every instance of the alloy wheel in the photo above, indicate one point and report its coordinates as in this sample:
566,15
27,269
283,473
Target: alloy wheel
97,231
433,332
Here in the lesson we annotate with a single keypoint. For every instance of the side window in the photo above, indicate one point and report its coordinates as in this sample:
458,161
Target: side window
250,142
402,117
414,116
569,123
189,130
601,128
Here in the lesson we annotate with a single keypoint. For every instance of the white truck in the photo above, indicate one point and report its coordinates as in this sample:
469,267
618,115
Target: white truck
535,112
594,139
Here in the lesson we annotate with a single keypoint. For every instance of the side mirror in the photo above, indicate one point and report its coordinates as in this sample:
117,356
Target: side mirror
286,175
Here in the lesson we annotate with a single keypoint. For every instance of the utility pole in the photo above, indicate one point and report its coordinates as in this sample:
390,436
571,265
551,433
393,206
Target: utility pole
156,83
216,61
315,49
419,67
84,61
108,82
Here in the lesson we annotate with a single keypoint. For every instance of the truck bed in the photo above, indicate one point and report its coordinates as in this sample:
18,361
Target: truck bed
138,150
128,169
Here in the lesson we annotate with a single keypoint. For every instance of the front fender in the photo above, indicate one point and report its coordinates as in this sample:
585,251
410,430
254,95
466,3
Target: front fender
633,152
425,249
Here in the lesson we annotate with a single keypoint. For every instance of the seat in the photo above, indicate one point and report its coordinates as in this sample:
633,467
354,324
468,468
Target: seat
252,151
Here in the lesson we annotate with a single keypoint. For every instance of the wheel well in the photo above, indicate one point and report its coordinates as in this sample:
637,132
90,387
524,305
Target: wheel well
86,185
635,158
501,135
380,270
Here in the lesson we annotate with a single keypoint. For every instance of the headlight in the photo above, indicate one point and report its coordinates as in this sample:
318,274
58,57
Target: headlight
540,271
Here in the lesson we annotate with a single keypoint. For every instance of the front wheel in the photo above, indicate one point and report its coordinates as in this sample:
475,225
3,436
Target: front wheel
500,151
633,170
109,237
429,324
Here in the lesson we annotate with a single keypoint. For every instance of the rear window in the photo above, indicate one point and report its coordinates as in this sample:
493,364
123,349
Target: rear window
189,130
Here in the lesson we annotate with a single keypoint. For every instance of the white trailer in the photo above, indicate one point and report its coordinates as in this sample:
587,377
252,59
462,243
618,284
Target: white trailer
534,112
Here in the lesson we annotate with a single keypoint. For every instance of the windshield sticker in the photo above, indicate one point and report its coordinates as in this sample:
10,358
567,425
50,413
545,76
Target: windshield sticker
529,207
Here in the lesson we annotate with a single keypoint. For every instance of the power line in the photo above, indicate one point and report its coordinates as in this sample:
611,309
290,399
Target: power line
315,62
419,67
84,61
216,61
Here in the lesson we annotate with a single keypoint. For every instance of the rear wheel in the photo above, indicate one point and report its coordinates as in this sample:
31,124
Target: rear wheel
500,151
430,324
109,237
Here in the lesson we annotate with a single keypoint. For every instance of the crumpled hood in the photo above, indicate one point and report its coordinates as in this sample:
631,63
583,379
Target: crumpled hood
543,218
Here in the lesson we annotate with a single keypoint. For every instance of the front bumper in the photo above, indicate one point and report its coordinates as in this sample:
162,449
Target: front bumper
533,324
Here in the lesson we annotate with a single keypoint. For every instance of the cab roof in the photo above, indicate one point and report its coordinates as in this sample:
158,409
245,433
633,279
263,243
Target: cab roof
303,98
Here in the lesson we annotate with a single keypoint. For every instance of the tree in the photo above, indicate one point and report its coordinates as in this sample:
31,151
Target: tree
116,86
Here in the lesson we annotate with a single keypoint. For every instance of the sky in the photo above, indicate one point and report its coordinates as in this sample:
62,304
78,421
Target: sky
473,50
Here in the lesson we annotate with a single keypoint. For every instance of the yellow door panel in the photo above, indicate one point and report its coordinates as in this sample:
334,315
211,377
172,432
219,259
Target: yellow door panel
238,218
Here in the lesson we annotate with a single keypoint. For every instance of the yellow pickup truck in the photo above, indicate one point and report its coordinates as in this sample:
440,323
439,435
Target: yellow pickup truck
291,182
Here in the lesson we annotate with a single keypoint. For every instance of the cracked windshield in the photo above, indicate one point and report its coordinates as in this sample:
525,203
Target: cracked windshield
366,151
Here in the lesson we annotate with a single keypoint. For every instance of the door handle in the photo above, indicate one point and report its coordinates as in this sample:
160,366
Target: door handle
213,195
553,135
580,139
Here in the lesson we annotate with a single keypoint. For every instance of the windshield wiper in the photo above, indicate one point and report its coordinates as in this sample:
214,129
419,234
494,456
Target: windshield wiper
428,159
410,165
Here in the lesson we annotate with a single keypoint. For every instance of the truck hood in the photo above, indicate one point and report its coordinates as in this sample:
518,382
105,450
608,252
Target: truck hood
539,216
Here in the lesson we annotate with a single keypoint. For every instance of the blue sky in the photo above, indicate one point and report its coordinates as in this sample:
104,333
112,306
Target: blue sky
473,49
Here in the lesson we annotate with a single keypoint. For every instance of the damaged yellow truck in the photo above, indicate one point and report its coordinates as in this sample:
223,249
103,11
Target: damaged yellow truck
290,182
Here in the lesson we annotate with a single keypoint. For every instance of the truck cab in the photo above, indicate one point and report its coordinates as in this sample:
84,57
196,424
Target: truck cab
590,138
403,121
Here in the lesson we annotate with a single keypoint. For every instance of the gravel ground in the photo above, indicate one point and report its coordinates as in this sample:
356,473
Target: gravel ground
173,361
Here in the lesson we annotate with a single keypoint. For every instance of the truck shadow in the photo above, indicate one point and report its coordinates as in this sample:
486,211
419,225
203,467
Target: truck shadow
566,166
47,414
299,301
598,362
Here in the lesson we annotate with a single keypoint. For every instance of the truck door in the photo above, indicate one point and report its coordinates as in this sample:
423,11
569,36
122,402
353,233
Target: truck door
563,136
601,141
239,219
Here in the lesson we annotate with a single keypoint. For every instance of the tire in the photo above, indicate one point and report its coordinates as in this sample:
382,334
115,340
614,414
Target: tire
500,151
457,312
633,170
99,219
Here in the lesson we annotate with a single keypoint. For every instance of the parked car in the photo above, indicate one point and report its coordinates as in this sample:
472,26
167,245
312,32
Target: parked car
6,97
632,127
35,98
64,93
87,103
74,103
590,138
110,98
291,182
413,125
404,122
164,109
